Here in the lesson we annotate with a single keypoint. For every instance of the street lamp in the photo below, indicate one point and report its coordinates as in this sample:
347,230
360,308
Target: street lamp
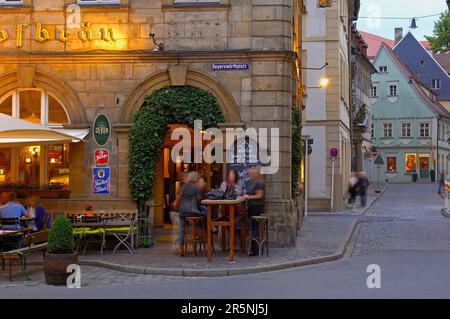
324,82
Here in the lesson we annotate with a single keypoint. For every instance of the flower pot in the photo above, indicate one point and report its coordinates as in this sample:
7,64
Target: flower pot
55,268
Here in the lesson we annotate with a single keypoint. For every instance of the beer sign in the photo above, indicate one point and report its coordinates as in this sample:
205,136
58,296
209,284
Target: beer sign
101,129
101,157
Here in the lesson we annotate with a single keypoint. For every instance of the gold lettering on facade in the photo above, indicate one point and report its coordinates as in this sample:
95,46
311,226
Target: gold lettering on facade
108,35
19,33
42,34
3,35
86,32
63,35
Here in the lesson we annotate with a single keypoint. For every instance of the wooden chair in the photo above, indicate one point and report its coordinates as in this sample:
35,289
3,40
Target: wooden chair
197,225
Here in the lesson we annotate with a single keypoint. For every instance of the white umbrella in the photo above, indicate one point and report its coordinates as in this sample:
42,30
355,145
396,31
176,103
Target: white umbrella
13,130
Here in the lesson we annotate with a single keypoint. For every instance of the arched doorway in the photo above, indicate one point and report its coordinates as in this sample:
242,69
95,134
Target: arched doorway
152,171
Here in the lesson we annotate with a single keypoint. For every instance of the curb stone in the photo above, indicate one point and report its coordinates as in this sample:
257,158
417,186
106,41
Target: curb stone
339,254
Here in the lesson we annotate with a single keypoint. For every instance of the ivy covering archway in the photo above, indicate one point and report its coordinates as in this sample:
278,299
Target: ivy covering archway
169,105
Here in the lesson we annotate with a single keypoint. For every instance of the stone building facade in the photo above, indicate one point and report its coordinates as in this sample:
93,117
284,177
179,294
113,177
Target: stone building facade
98,57
326,118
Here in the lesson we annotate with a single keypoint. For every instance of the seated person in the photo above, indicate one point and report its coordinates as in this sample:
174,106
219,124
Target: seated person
35,210
203,186
231,182
12,209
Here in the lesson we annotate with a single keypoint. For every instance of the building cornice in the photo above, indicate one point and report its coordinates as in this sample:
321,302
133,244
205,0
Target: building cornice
140,57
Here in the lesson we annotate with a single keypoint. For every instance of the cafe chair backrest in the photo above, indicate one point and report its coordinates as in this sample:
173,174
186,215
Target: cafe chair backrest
91,219
10,221
36,238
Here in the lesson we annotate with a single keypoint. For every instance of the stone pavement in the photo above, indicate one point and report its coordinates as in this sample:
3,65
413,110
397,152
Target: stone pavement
322,238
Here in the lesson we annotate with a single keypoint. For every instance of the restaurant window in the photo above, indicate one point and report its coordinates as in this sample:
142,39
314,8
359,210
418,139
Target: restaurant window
387,130
406,129
30,165
424,129
58,164
35,106
410,163
391,164
5,165
6,106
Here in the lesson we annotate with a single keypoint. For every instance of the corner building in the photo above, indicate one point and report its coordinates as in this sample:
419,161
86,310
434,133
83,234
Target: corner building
64,62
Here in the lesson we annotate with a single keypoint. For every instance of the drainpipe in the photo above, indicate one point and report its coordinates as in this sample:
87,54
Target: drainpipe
438,168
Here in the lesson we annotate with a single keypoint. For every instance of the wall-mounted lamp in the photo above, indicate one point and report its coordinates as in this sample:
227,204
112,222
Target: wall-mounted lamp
159,45
316,69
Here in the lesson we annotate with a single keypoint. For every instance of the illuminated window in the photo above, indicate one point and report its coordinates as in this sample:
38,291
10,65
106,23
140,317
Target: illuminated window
391,164
30,165
5,165
6,106
410,163
325,3
36,106
30,106
58,164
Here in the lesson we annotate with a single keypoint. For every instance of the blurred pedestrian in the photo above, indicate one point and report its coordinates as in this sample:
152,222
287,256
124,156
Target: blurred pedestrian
352,187
363,183
441,181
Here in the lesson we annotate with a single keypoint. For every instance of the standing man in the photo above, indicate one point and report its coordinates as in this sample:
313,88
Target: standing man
441,181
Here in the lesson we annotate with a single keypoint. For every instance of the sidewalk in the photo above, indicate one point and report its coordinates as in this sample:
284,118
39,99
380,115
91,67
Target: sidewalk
322,238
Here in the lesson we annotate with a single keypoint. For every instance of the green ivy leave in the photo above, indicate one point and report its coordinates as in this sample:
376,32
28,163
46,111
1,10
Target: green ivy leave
169,105
296,148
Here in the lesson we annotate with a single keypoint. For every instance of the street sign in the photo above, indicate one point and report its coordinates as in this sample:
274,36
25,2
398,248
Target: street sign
304,149
310,141
334,152
379,160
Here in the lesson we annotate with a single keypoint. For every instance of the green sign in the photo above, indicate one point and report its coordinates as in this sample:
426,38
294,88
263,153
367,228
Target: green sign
101,129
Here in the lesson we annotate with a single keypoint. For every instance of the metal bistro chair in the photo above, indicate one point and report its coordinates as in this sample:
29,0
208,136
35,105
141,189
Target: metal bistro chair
78,230
94,234
262,236
124,231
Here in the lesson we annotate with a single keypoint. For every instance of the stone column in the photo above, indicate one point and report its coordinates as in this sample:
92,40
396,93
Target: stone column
122,131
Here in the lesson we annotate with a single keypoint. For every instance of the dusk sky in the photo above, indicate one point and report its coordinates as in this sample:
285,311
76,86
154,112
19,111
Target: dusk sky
399,8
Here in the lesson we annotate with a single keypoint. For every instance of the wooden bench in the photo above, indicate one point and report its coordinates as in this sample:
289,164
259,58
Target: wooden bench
32,242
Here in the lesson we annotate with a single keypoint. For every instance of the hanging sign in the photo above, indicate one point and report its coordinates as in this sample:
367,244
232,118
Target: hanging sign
101,129
101,157
101,180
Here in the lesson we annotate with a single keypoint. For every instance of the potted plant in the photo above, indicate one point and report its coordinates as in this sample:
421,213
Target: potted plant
60,252
89,210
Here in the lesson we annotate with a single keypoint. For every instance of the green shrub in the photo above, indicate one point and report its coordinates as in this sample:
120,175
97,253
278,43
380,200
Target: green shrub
60,237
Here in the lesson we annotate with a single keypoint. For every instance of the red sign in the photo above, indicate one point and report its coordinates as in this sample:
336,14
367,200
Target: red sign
334,152
101,157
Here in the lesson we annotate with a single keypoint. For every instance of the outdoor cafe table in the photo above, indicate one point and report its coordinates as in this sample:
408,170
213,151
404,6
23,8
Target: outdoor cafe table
231,204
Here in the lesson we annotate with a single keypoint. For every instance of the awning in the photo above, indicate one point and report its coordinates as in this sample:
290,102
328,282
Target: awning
15,131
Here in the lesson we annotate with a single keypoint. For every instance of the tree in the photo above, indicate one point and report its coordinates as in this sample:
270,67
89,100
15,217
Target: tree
441,34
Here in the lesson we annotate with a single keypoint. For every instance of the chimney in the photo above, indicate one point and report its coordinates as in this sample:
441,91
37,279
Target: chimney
398,35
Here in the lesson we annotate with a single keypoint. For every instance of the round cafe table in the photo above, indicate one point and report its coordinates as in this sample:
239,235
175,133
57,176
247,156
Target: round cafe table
231,204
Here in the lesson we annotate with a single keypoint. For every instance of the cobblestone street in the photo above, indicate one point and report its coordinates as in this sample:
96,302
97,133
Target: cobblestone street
403,232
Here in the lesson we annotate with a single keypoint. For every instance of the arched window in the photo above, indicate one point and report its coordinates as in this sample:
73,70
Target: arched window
34,105
37,165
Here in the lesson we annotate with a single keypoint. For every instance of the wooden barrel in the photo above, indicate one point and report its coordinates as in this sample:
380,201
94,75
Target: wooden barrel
55,268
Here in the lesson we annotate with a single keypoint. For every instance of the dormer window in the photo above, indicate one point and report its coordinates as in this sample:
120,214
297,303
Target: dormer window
422,63
383,69
435,84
